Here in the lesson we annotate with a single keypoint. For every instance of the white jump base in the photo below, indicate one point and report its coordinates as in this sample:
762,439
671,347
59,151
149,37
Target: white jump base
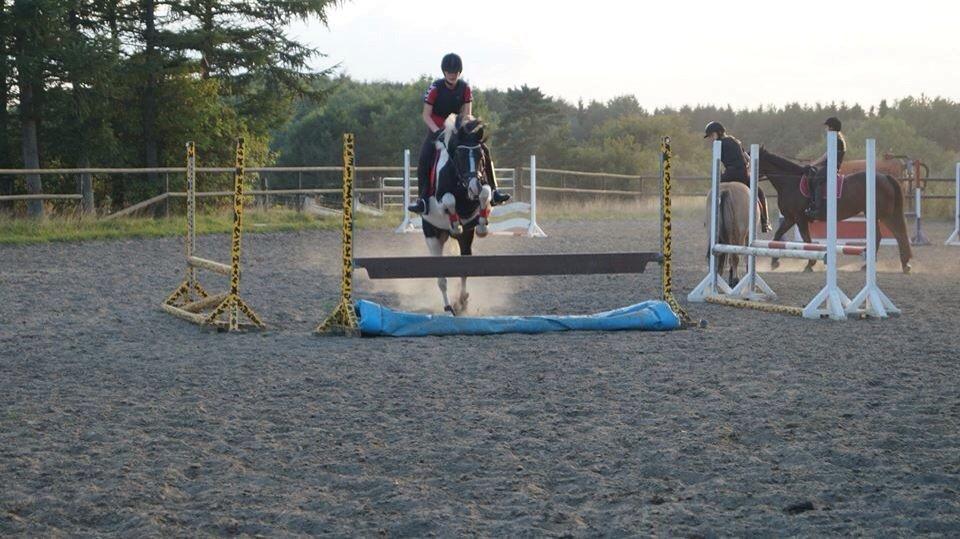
954,238
516,226
830,302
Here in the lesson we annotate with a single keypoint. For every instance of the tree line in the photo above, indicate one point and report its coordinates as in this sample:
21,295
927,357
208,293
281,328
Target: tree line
127,82
616,136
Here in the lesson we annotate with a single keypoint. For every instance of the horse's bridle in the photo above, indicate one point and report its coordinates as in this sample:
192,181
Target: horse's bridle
462,179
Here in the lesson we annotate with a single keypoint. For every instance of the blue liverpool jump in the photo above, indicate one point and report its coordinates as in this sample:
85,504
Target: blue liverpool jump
377,320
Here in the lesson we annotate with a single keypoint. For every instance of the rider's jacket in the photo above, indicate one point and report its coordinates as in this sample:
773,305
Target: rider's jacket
446,101
821,164
734,160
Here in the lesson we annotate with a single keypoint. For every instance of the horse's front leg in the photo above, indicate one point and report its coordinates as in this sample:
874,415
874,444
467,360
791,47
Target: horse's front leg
486,195
449,204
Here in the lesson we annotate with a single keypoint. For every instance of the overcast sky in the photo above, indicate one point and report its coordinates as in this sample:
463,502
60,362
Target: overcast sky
744,53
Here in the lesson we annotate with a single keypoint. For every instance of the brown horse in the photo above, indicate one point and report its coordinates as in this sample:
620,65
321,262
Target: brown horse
732,225
785,176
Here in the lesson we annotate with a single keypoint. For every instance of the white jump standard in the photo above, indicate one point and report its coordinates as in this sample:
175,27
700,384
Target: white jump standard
516,226
752,290
954,238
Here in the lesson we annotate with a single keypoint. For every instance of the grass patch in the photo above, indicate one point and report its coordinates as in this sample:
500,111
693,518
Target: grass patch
22,231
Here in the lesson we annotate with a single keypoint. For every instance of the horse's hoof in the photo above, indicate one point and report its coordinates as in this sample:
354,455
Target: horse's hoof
907,268
450,310
462,303
774,264
482,230
863,267
808,269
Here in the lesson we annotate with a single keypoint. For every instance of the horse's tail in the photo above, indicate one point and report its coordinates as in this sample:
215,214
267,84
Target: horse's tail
725,221
897,194
726,218
898,219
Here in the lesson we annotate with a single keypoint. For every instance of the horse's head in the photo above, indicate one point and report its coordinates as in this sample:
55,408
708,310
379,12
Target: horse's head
465,146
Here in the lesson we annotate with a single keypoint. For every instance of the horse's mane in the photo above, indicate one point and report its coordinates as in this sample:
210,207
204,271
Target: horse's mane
779,161
449,128
453,123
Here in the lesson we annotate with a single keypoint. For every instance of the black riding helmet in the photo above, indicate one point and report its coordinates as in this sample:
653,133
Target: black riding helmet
713,127
452,64
833,123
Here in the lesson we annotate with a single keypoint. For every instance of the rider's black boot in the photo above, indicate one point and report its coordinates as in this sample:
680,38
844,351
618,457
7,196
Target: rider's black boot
499,198
420,206
814,208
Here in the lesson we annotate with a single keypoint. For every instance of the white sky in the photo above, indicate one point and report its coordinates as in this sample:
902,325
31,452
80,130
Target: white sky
767,53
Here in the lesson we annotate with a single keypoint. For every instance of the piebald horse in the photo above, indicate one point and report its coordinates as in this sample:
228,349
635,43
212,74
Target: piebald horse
460,205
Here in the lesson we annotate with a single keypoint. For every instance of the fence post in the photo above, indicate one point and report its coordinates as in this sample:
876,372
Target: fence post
86,190
166,201
300,188
518,183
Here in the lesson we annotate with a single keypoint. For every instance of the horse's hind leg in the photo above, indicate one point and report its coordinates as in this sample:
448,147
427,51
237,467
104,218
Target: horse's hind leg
435,246
898,225
804,227
734,270
466,249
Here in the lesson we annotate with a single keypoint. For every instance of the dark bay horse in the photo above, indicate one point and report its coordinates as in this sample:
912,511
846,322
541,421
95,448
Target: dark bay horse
785,176
460,205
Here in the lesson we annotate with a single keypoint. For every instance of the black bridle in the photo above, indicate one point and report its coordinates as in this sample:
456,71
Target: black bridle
463,179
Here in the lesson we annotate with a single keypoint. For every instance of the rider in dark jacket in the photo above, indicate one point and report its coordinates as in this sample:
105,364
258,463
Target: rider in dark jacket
446,96
817,172
736,165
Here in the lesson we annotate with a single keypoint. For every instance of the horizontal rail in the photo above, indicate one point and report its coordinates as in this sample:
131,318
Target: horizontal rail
590,174
416,267
770,253
138,206
757,306
800,246
185,315
209,265
205,303
590,191
183,170
158,170
41,196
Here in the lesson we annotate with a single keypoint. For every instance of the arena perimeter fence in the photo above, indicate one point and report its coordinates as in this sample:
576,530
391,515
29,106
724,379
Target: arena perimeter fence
117,192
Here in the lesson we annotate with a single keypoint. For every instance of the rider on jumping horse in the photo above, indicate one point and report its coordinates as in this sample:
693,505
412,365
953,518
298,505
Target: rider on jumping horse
817,172
735,161
446,96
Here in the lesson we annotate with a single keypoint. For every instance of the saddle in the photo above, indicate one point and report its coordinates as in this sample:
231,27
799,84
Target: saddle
806,191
